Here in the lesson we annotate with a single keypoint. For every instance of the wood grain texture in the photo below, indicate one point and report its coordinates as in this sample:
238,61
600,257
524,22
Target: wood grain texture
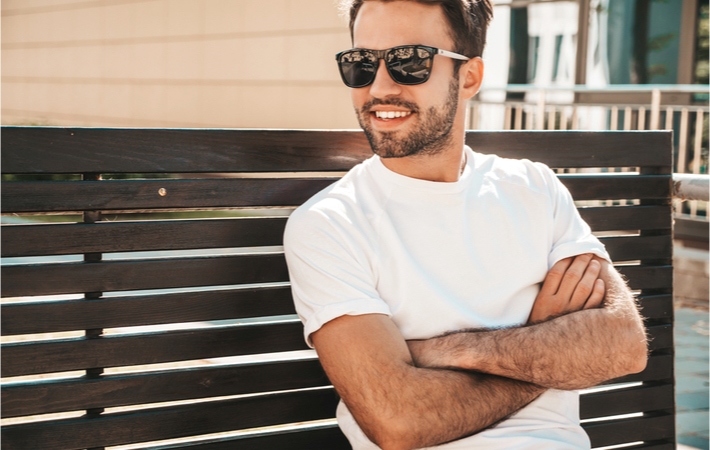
659,369
658,307
628,218
615,187
151,348
648,277
579,149
133,236
132,311
108,391
104,276
627,401
172,422
630,248
28,150
82,150
108,195
660,337
112,195
612,432
330,438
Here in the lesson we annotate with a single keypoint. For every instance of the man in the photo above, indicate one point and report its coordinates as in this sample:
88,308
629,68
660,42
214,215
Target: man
418,275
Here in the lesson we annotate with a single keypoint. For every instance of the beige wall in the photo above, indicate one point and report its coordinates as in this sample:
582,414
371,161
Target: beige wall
174,63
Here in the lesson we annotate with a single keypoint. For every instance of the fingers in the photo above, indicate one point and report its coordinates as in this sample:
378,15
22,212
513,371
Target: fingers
597,296
586,286
572,284
554,277
572,277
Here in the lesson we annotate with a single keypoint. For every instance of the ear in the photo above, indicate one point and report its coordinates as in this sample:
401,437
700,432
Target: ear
471,76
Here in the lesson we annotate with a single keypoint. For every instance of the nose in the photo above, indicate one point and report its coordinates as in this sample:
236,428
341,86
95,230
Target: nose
383,84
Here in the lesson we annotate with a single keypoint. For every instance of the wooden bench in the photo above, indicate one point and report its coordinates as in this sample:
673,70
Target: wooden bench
125,325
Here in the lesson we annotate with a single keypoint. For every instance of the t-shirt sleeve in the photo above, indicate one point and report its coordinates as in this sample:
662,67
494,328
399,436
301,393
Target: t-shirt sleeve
571,234
330,272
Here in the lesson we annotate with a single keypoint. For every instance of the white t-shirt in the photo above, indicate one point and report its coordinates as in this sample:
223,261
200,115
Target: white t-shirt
437,257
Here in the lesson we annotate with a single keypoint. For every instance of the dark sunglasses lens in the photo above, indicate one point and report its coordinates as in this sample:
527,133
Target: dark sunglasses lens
410,64
357,67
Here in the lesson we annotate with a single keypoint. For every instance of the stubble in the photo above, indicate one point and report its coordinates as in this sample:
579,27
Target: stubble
430,136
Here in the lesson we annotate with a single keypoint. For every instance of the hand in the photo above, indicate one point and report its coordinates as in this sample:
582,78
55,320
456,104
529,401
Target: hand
422,356
571,285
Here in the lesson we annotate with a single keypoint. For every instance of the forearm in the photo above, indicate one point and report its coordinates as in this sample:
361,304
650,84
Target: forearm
559,354
401,406
573,351
427,407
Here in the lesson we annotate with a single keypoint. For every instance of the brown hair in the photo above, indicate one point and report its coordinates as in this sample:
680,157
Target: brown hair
468,21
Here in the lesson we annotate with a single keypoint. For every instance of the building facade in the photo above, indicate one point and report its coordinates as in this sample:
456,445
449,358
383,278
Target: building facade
256,64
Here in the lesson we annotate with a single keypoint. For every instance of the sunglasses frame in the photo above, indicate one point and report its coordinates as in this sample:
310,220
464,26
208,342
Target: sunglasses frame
381,54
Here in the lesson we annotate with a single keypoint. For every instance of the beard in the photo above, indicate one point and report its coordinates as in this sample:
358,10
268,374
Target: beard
430,136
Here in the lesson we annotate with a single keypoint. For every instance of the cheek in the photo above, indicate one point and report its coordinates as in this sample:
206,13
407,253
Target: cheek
359,97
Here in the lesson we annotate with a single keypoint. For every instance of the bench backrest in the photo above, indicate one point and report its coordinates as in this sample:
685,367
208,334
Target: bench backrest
124,323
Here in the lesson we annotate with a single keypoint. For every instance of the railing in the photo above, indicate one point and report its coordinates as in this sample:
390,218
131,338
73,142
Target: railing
681,108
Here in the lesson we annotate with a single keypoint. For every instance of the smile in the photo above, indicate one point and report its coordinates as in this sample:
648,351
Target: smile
391,114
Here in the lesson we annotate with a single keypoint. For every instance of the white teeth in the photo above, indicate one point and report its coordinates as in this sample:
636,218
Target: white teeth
391,114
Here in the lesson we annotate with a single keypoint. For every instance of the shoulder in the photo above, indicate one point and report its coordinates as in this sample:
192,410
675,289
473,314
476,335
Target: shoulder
338,208
524,173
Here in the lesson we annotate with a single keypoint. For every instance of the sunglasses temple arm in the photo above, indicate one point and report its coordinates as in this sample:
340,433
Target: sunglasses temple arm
452,55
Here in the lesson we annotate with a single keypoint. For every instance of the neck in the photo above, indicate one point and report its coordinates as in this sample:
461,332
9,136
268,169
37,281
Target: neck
445,166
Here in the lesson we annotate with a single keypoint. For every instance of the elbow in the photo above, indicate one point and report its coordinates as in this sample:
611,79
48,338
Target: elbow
635,352
638,356
390,434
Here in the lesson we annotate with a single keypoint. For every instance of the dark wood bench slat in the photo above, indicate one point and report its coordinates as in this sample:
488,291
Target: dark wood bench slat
620,431
111,195
202,151
626,401
68,278
130,311
70,315
656,445
628,248
150,348
108,195
648,277
657,306
615,187
81,150
45,397
577,148
106,237
161,386
628,217
330,438
660,337
46,279
659,368
172,422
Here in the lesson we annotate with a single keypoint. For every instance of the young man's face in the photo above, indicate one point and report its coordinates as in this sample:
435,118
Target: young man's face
425,112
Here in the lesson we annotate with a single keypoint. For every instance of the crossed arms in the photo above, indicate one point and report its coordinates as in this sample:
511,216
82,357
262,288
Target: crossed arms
584,328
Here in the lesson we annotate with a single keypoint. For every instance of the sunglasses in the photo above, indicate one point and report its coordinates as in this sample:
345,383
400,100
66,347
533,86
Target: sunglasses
406,64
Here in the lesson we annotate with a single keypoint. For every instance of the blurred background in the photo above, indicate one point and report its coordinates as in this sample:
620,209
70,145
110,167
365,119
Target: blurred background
585,64
250,63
